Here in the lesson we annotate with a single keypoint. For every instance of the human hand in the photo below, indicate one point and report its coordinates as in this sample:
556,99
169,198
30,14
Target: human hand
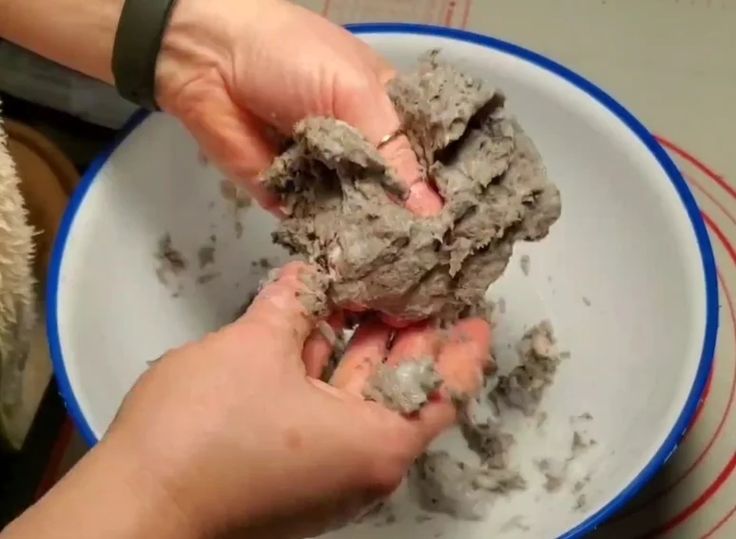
243,437
234,71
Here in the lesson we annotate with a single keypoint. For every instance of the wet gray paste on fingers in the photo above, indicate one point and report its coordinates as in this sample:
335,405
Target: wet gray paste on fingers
404,387
343,216
313,294
445,484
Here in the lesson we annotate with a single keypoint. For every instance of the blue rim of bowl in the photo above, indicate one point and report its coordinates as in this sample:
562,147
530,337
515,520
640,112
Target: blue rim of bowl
709,268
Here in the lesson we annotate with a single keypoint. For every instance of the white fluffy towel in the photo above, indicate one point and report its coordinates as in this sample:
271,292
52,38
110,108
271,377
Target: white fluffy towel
17,286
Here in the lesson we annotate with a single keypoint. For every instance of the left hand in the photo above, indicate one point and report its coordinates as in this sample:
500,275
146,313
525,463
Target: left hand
235,72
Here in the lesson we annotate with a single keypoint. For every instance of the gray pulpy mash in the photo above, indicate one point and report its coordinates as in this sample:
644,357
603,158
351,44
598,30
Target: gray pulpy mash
341,199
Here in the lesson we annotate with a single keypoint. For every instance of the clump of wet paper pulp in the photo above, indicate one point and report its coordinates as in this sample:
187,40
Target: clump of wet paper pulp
405,387
443,483
340,198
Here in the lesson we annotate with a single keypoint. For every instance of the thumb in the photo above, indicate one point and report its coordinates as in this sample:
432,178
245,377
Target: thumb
289,306
371,111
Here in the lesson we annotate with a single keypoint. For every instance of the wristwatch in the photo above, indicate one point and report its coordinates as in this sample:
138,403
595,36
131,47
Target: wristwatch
137,45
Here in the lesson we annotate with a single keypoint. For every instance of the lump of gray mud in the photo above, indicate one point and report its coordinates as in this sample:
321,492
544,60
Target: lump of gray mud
404,387
486,439
524,386
444,484
340,197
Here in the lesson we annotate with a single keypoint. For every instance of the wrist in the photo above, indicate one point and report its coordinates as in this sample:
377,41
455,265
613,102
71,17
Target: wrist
107,494
195,45
153,509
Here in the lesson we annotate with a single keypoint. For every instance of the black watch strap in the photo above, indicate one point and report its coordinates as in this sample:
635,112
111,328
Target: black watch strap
137,44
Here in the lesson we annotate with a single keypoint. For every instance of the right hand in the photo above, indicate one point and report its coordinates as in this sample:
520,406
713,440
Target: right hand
242,437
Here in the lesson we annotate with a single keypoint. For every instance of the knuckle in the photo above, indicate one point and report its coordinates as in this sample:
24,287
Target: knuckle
353,91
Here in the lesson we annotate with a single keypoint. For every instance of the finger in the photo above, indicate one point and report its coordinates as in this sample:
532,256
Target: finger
367,350
423,200
434,418
361,100
320,345
354,307
413,343
394,322
385,72
285,307
417,342
368,108
378,64
231,137
464,356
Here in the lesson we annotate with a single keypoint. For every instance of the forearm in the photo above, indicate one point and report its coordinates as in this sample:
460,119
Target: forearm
76,33
106,495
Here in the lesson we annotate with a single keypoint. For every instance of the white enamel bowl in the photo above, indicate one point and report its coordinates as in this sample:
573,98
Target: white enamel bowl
626,277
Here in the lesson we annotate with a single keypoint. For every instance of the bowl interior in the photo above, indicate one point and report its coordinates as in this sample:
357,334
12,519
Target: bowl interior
620,277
